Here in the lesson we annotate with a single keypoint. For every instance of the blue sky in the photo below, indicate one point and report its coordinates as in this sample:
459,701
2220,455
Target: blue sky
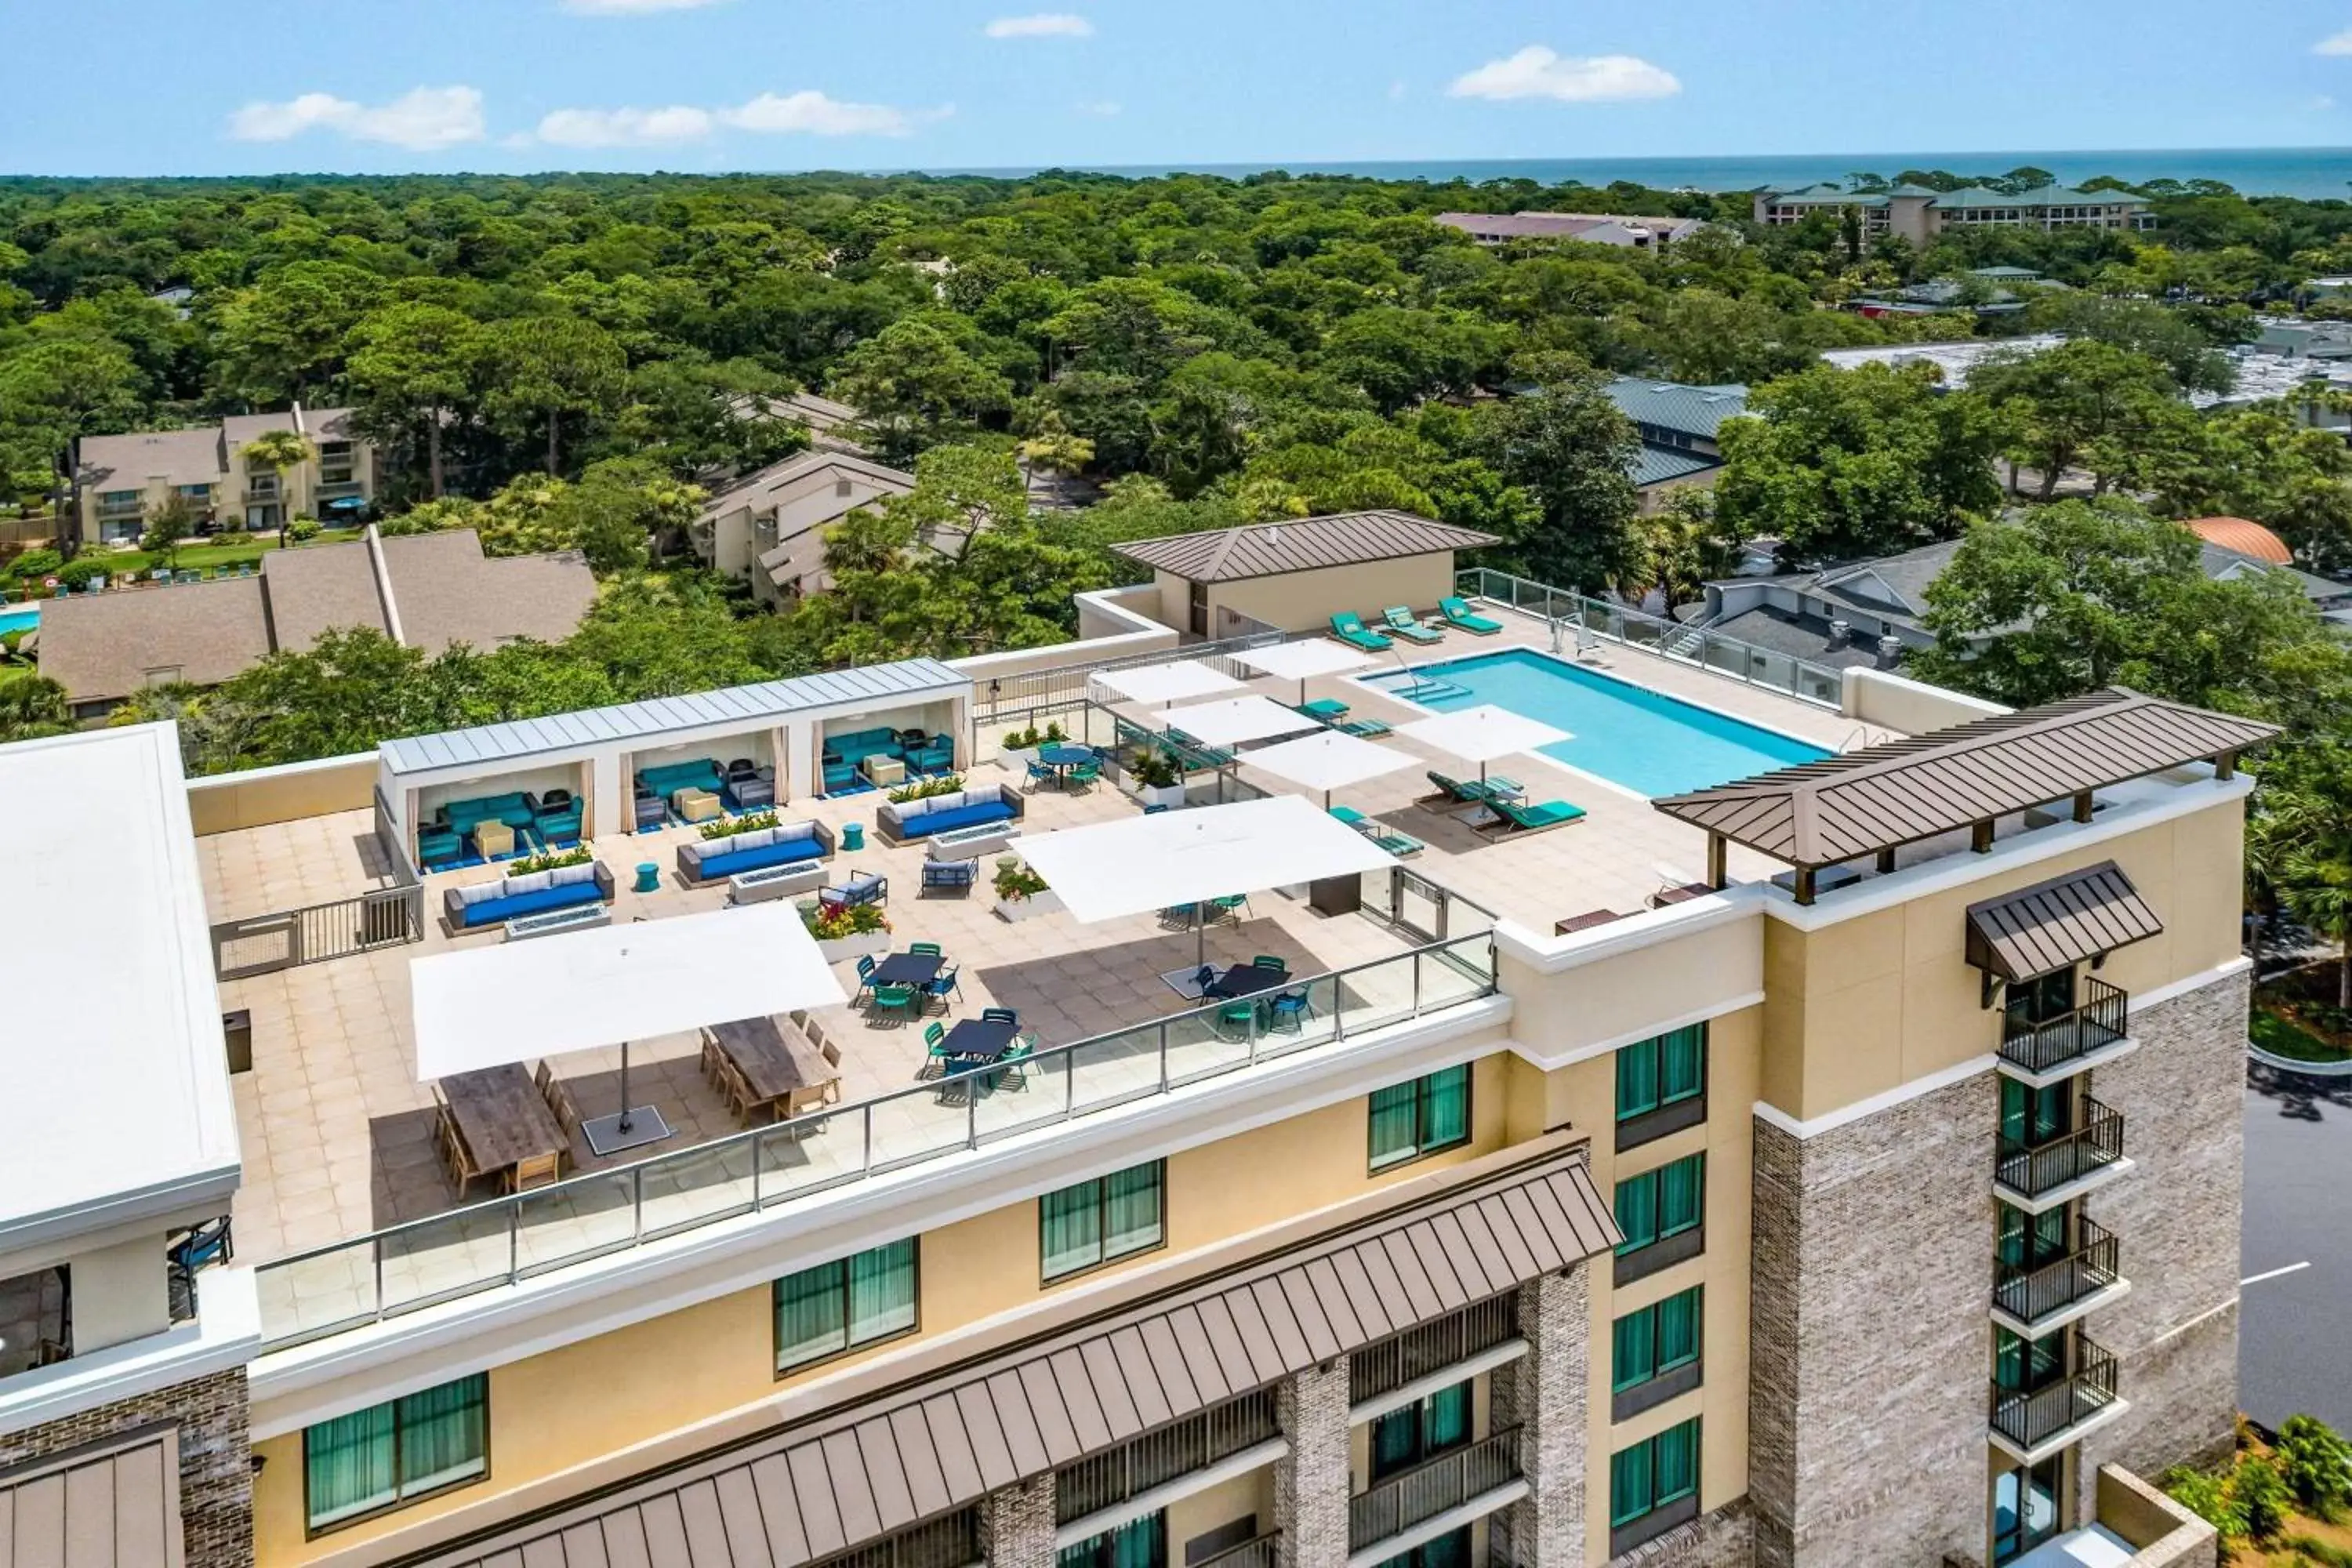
204,87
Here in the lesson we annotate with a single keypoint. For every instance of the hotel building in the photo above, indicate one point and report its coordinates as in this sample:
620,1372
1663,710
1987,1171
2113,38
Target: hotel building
1840,1166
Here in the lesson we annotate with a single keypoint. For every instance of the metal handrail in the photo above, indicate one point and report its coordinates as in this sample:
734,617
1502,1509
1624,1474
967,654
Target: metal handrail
2101,1019
2029,1417
1444,1342
1396,1504
1260,1552
484,1222
2030,1292
2035,1169
1038,688
1683,642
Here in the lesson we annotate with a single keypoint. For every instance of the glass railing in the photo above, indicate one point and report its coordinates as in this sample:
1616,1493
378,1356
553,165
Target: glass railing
407,1268
1579,614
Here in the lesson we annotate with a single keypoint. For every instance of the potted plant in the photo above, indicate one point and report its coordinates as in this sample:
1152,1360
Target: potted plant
1022,894
1021,747
1154,779
843,934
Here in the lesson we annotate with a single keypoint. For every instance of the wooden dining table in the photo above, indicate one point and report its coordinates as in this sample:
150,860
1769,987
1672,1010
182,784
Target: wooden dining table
774,1059
508,1130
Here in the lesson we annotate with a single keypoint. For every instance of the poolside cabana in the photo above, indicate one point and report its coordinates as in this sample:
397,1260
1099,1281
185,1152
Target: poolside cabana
1303,660
481,1008
619,769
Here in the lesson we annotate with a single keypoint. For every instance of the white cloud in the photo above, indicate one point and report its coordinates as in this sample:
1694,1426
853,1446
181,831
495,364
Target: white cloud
1043,25
1538,72
624,126
812,112
423,119
1099,108
2320,104
632,7
1397,90
2335,44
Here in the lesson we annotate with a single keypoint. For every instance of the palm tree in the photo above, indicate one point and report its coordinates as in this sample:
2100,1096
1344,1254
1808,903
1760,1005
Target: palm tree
276,450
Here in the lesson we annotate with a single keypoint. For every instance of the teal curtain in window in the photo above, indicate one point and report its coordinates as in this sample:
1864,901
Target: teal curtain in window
882,1292
1629,1484
1632,1349
444,1434
1392,1120
1681,1066
1069,1229
1637,1211
1445,1419
1142,1544
1676,1462
809,1322
348,1465
1637,1078
1678,1321
1446,1107
1396,1441
1133,1207
1680,1187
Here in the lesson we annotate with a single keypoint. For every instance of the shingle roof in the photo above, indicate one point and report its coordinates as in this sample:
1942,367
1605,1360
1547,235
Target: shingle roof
176,457
321,588
862,1472
1268,549
1699,410
447,591
2041,196
2053,924
99,646
1819,813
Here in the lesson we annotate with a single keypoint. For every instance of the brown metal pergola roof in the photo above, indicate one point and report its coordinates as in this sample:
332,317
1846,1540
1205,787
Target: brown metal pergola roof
1269,549
1873,800
2058,924
870,1470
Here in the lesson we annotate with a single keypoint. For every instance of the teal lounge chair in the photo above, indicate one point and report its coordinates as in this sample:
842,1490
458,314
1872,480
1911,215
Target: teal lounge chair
1532,819
1457,613
1365,728
1324,708
1349,627
1397,844
1467,793
1398,621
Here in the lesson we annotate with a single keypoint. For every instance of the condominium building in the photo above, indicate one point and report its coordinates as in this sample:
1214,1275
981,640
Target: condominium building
1651,233
768,528
122,479
1835,1165
1919,215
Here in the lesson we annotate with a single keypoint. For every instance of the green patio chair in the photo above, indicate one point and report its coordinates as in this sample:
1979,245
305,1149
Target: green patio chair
1457,613
1232,904
1237,1017
925,948
1514,819
1271,961
1398,621
890,999
1350,628
935,1040
1085,774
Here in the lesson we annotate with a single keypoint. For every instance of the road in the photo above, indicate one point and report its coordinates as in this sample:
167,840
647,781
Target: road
2294,1344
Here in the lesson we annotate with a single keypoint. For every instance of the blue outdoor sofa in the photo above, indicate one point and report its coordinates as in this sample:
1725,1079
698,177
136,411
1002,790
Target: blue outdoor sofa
899,822
511,898
713,859
922,754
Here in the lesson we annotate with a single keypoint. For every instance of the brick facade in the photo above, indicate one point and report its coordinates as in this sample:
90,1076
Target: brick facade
1016,1525
216,1457
1724,1539
1311,1483
2175,1217
1544,1393
1871,1341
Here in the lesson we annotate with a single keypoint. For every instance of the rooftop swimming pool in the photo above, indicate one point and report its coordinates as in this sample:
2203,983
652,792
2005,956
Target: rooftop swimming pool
1646,741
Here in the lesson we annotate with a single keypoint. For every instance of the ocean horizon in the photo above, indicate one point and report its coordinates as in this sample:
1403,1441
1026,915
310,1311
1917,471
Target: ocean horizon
2311,173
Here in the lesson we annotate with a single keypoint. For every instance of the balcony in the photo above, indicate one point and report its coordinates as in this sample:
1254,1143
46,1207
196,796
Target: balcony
1259,1553
1159,1458
1432,1488
2032,1422
2028,1174
2034,1299
2100,1021
1432,1347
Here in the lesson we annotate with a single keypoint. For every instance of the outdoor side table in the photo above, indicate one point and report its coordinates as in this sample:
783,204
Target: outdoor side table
649,877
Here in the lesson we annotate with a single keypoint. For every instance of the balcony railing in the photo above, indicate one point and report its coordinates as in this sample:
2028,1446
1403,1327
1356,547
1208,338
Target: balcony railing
1430,1487
2030,1295
2101,1020
2035,1169
1156,1458
425,1262
2030,1418
1432,1347
1259,1553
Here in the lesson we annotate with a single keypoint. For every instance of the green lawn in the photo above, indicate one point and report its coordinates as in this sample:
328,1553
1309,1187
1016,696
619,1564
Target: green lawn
2282,1038
229,550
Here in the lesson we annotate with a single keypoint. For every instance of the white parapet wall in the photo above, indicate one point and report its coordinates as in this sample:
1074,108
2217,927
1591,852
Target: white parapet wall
1889,701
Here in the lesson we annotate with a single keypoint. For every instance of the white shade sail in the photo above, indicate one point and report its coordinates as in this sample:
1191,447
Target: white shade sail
1236,720
1303,660
1329,761
1481,734
1166,682
1140,864
485,1007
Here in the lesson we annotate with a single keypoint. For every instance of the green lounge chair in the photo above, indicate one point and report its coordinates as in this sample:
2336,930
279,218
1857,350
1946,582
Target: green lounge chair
1532,819
1366,728
1398,621
1324,708
1350,628
1467,793
1397,844
1457,613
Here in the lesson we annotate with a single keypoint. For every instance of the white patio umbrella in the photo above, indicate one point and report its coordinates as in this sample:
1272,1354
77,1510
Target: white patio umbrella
1481,734
1301,660
487,1007
1167,682
1140,864
1329,761
1236,719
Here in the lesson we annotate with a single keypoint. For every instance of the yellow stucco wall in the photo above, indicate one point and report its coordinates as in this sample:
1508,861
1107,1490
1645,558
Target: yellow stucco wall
1306,601
230,801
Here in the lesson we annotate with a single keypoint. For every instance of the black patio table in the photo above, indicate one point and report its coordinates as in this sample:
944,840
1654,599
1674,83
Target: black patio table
908,969
981,1040
1246,979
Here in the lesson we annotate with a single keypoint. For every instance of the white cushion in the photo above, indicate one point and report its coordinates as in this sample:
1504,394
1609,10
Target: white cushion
482,892
530,882
564,876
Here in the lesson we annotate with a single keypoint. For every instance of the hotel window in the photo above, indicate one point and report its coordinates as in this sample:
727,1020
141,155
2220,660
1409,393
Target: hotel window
1422,1430
396,1452
197,492
1654,1353
1661,1085
1649,1479
1098,1222
1661,1213
1411,1120
1140,1543
840,1306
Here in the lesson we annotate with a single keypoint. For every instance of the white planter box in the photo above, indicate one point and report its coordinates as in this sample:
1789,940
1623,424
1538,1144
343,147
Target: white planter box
1022,760
1169,796
1048,902
842,949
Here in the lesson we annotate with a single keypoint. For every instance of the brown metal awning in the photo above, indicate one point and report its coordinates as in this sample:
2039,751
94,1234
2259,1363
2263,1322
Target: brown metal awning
114,1504
853,1475
2058,924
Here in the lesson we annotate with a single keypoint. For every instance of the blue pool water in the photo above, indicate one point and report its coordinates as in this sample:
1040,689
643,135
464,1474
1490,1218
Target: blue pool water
1649,743
19,618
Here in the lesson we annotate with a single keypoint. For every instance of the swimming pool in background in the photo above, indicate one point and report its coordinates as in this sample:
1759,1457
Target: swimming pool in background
1642,740
20,618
